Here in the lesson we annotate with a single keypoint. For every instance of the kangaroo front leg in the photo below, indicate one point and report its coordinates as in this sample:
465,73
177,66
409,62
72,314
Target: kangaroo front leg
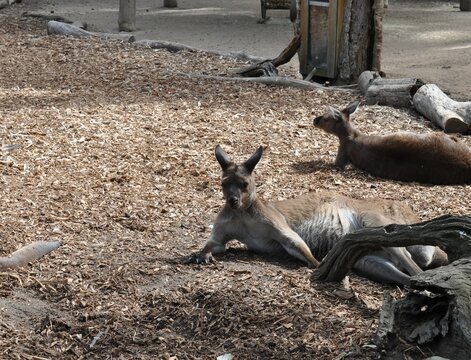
296,247
215,245
342,158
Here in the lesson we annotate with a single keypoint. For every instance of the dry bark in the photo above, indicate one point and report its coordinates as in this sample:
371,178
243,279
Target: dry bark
390,92
450,115
438,318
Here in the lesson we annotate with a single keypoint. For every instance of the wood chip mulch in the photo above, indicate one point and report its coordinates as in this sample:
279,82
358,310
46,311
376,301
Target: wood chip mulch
115,158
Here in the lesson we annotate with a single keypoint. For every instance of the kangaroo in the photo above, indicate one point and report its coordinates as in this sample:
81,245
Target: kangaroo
425,158
307,227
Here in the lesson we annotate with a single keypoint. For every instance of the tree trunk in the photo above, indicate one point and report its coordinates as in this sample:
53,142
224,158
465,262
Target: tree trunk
390,92
127,15
359,42
452,116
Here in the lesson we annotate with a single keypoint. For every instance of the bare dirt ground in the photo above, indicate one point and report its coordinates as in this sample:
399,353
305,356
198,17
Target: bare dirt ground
116,159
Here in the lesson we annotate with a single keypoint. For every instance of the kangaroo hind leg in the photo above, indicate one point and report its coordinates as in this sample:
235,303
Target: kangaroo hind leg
380,269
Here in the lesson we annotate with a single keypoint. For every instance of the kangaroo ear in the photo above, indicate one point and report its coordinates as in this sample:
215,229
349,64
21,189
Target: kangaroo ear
222,158
254,159
336,114
351,108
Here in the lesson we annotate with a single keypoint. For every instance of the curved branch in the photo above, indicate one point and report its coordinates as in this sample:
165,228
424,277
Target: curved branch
451,233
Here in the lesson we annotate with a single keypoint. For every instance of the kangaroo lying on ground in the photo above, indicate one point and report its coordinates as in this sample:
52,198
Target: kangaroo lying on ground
426,158
307,227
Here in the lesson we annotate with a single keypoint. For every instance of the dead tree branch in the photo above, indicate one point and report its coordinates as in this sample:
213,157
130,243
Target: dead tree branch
272,80
451,233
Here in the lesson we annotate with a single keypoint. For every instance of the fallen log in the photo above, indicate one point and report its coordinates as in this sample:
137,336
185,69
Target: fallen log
450,115
60,28
390,92
436,315
451,233
27,254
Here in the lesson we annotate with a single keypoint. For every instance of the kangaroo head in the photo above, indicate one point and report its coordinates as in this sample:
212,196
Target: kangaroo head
238,181
336,122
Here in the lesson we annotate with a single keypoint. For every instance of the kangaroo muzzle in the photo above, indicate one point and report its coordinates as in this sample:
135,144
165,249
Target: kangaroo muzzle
233,202
316,120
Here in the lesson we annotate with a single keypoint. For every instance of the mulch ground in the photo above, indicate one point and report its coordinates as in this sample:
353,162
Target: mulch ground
116,159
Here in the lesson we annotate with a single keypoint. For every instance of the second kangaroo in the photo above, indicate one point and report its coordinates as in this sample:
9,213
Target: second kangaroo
426,158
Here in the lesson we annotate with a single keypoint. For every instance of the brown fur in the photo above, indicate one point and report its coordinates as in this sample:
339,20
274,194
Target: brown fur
426,158
307,227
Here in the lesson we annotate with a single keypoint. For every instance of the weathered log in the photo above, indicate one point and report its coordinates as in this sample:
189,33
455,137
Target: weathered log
452,116
438,314
438,318
127,15
28,254
450,233
60,28
390,92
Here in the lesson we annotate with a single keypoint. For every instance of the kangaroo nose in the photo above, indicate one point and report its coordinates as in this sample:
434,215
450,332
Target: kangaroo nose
316,120
233,201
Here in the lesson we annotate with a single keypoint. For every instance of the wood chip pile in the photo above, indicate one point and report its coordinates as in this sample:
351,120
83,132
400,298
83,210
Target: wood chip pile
116,159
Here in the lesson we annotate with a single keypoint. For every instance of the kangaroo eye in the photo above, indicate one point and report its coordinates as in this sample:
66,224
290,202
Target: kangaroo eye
245,184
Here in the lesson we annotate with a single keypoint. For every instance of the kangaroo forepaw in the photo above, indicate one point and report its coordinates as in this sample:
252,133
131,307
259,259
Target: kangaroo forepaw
200,258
